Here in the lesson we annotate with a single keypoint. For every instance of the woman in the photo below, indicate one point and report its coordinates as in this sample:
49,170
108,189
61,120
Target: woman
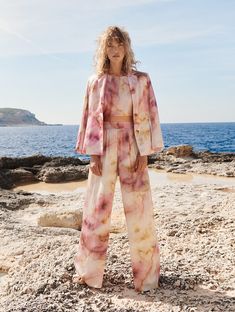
119,128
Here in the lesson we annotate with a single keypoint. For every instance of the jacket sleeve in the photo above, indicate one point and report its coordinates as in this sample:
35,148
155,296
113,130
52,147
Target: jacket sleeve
157,143
79,148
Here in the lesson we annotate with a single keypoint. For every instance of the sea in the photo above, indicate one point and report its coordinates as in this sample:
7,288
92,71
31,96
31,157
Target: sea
60,140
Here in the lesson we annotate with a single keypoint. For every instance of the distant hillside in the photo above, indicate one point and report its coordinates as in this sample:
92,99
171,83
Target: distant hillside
19,117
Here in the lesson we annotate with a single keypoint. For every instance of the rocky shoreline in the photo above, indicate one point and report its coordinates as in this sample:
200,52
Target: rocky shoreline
195,225
178,159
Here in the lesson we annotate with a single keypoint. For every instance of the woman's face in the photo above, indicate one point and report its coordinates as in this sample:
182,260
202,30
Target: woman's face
115,51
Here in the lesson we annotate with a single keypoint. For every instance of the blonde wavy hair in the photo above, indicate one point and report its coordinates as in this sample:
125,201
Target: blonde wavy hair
101,60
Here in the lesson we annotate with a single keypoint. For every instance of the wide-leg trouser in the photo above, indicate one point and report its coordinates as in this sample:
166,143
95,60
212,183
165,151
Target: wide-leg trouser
120,152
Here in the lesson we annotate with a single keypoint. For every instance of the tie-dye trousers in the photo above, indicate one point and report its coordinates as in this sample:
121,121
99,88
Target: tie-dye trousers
120,152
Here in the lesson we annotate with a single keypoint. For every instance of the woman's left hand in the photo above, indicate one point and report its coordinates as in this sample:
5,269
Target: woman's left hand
141,163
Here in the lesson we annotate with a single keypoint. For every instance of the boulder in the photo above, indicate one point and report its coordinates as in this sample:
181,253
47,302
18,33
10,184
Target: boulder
26,170
181,151
66,219
63,174
12,177
16,162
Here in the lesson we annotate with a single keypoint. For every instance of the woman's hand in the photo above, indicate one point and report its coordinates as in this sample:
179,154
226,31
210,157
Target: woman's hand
141,163
96,165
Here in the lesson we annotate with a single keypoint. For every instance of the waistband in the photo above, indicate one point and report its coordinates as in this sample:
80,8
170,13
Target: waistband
114,118
118,125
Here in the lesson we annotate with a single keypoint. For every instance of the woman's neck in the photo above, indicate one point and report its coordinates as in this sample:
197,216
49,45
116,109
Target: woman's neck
116,70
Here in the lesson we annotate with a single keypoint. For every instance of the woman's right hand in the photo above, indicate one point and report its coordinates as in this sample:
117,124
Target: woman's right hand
96,165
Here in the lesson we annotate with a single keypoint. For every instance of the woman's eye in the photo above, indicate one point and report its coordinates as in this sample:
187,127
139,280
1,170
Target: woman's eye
120,44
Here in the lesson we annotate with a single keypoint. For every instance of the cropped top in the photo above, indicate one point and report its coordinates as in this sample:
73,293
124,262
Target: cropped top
118,100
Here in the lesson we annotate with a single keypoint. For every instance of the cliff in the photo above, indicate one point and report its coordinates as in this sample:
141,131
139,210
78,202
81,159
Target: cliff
18,117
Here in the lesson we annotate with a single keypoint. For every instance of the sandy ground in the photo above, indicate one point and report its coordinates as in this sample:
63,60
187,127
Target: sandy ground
194,216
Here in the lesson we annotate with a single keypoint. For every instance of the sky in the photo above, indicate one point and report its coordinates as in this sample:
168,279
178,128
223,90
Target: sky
186,46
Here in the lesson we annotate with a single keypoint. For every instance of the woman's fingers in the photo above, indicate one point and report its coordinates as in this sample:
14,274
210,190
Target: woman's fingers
136,163
95,170
141,163
100,167
96,166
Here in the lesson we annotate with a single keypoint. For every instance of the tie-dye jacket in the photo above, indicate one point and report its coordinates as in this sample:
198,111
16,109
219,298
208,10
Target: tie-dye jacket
147,128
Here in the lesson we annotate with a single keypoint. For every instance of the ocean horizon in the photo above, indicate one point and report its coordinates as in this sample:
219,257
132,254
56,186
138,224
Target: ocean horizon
54,140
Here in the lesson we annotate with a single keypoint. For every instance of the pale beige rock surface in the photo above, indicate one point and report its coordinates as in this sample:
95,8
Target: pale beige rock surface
195,223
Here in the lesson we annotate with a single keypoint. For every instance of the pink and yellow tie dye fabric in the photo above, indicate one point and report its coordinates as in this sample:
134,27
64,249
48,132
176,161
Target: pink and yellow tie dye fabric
120,152
147,128
118,100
